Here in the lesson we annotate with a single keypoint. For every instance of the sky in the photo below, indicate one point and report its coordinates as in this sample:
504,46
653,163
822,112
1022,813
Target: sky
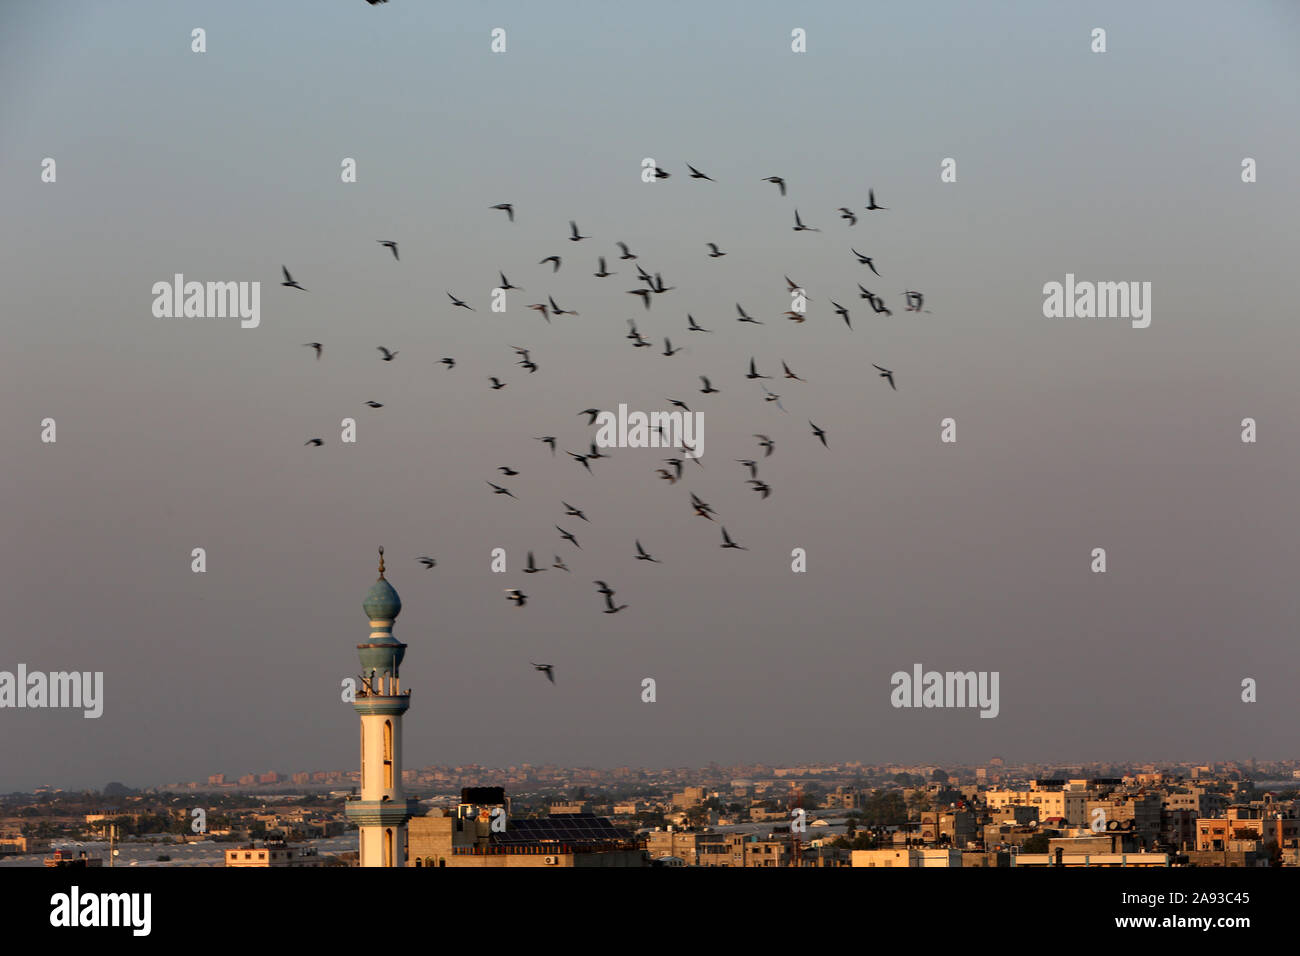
1072,434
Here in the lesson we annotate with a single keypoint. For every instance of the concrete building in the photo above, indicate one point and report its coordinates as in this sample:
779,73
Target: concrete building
1049,797
274,854
478,836
1060,858
909,857
956,827
381,810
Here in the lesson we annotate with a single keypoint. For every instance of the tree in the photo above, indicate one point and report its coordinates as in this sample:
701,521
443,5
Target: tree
1035,844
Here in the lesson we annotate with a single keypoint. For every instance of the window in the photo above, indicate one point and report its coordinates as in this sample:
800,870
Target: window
388,753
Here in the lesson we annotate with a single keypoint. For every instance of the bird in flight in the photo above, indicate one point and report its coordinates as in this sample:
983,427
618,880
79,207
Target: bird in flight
674,402
574,235
771,396
555,262
728,543
449,362
820,433
582,460
603,588
886,373
693,326
574,512
696,174
496,383
627,253
714,252
591,414
516,595
708,389
644,294
556,310
497,489
540,307
374,404
609,604
427,561
666,475
842,313
871,198
507,471
751,465
568,536
753,370
778,181
314,345
743,317
864,260
668,348
643,555
790,374
661,174
914,301
289,280
546,669
390,245
603,273
559,564
507,208
766,444
505,283
846,213
531,567
763,489
388,356
458,302
795,317
702,509
315,441
550,440
799,226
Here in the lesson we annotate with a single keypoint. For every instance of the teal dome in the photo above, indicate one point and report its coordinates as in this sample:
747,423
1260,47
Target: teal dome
382,602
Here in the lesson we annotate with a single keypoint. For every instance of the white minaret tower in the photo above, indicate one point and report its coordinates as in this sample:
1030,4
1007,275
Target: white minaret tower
381,811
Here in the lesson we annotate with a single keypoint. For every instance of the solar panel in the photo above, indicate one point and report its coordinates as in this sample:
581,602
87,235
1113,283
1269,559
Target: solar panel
566,828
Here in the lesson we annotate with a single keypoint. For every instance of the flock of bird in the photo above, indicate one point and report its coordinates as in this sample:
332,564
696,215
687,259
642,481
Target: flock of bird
652,286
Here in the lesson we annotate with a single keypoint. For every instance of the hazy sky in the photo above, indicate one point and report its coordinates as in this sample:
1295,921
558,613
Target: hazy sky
1071,434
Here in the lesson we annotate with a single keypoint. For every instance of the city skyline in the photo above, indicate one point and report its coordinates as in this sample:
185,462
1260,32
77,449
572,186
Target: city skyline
974,556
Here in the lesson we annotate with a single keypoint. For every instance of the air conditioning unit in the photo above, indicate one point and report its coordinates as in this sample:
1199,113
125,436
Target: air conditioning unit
551,860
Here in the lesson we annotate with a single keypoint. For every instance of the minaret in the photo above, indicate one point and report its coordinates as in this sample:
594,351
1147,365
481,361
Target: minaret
381,811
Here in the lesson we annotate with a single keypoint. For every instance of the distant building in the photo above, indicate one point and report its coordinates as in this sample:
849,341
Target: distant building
477,836
1060,858
907,857
274,854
